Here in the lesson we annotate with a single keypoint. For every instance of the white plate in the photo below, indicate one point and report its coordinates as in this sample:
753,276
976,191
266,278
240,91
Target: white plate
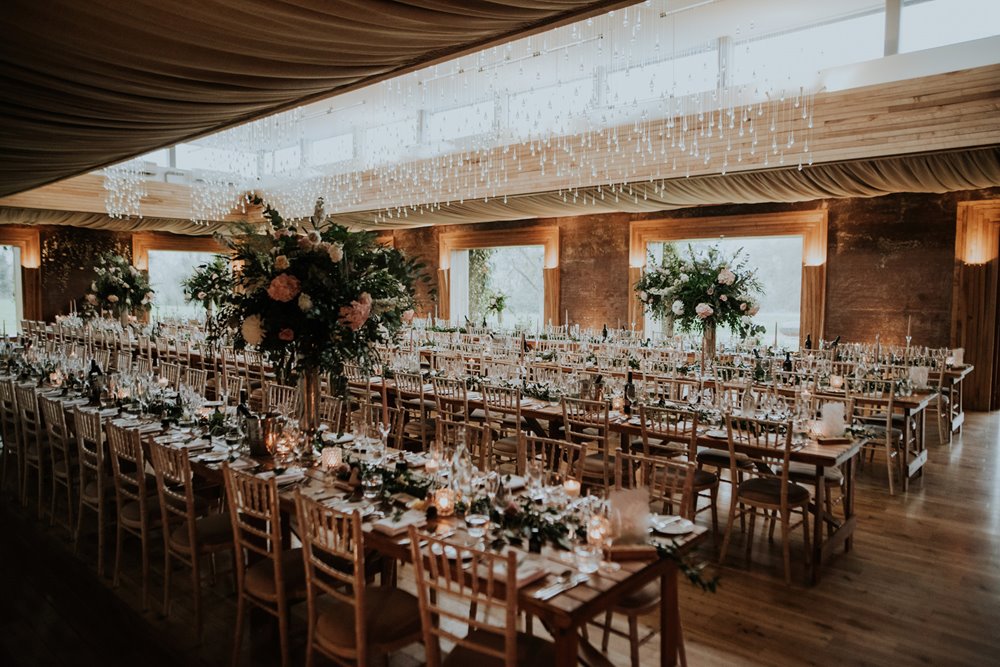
717,433
213,457
332,437
668,525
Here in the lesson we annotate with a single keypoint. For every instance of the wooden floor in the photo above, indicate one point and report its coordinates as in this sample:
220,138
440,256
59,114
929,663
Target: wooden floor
922,586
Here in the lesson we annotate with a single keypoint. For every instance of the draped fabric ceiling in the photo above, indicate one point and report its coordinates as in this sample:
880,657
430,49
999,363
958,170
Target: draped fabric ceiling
941,172
92,82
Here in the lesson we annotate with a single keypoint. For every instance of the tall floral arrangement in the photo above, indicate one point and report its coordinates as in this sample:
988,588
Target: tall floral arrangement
210,284
703,290
118,286
312,295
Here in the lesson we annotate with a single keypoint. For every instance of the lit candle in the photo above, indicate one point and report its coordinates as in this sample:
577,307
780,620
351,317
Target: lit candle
432,465
567,317
909,319
444,502
776,335
572,488
331,457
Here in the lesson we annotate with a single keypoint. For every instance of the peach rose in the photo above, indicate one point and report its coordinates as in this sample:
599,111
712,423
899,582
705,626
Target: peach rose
284,287
286,335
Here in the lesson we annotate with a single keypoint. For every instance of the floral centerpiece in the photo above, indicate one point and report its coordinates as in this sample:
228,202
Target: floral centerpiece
496,304
210,284
312,296
118,287
701,291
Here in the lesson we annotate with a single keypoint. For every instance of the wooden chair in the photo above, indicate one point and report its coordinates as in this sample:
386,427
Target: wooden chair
281,399
452,580
873,402
103,359
331,411
375,414
278,575
32,435
196,379
451,398
138,511
671,432
349,621
144,366
187,537
416,407
123,361
833,477
560,459
769,445
10,430
230,388
671,491
172,372
94,480
62,457
587,422
502,413
477,440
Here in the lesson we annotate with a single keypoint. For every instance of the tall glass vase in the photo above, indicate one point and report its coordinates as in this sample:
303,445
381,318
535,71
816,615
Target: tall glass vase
309,388
708,343
123,317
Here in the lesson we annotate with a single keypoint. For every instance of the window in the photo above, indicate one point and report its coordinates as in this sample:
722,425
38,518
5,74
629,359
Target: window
481,274
332,149
10,288
778,260
464,121
167,268
925,24
193,156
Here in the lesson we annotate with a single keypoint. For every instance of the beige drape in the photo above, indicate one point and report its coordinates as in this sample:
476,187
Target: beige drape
92,82
30,216
941,172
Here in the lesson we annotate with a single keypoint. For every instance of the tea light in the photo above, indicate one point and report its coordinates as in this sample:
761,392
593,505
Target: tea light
598,528
331,457
836,382
572,488
444,502
432,465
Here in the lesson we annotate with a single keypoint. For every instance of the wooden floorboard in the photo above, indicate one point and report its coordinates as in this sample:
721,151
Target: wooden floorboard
922,586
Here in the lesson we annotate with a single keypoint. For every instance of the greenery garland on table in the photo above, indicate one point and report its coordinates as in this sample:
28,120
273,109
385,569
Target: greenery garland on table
702,290
118,287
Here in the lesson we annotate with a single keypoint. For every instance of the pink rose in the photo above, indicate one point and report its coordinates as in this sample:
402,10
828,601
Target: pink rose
408,315
703,310
92,299
284,287
286,335
356,314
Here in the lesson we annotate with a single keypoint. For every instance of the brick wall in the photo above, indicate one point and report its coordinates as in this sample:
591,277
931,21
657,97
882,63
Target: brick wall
888,258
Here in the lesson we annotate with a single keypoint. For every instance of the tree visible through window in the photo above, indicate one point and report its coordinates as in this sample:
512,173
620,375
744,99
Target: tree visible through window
167,268
515,273
10,292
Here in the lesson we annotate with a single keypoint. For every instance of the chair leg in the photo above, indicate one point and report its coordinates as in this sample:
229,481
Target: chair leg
805,533
116,577
145,568
753,521
713,495
786,548
166,581
100,538
888,467
196,591
238,634
729,531
772,517
607,630
283,631
633,639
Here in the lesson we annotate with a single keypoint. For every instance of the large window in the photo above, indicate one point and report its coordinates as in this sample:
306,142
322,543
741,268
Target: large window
480,275
778,260
925,24
167,268
10,288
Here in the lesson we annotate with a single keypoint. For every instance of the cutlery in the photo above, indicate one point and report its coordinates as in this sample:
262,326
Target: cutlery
563,583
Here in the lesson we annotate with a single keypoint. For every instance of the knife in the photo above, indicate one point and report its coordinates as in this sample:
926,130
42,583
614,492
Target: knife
550,592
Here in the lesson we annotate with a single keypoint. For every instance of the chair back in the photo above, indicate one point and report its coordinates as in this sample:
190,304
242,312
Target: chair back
500,402
10,424
451,396
172,372
57,432
375,415
128,462
230,387
478,439
90,444
334,554
462,587
28,414
670,482
196,379
559,458
663,427
281,398
767,443
331,410
174,485
123,361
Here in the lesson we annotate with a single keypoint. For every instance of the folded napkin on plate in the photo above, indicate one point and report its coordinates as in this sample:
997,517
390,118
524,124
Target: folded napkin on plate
289,475
919,376
415,459
390,527
109,412
149,427
528,571
513,482
241,464
192,444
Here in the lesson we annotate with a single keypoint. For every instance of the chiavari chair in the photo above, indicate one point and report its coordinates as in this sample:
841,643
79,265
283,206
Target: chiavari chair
560,459
32,436
451,398
477,440
417,409
10,430
94,479
804,473
671,433
137,507
375,415
123,361
62,457
873,402
769,445
277,577
281,398
446,589
103,359
187,536
502,414
195,379
172,372
671,491
587,422
349,620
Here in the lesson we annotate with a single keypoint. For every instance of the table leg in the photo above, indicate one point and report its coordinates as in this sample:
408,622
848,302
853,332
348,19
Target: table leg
907,435
848,501
567,646
819,502
670,618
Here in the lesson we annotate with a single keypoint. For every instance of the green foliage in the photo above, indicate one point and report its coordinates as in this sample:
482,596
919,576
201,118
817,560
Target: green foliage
118,286
479,281
211,283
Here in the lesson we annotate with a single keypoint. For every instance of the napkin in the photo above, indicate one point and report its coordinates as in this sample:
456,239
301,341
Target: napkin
833,421
630,515
410,518
919,376
289,475
958,356
528,571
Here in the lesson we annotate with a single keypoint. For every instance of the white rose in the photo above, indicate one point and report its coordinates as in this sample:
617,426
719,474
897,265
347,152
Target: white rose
726,277
678,307
93,286
683,277
305,302
703,310
336,252
642,295
252,330
281,263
